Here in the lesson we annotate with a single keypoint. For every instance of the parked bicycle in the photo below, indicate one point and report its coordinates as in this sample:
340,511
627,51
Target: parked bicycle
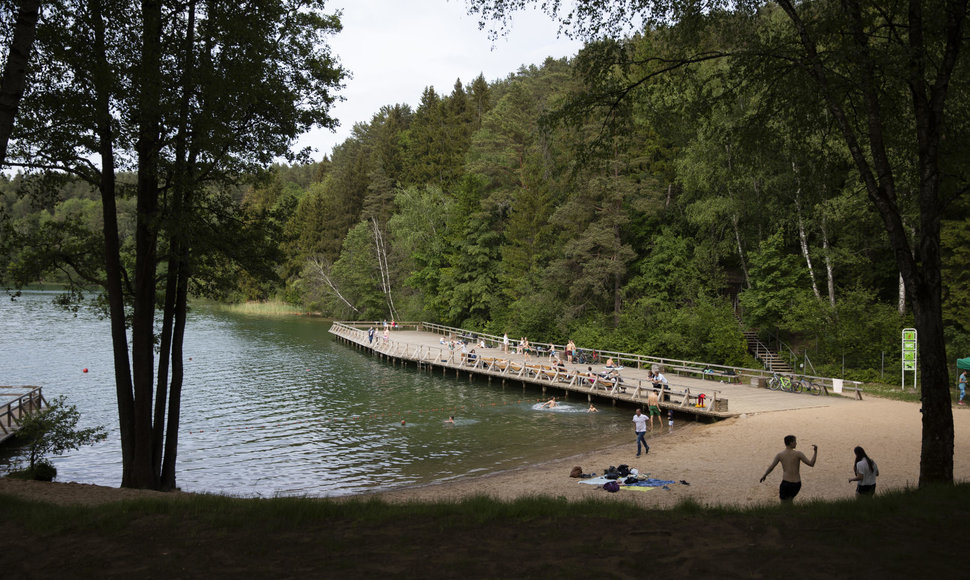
784,383
586,357
780,383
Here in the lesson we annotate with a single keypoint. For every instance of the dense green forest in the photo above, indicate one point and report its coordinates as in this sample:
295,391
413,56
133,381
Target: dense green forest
707,201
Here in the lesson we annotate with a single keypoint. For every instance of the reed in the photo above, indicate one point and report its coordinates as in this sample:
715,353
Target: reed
261,308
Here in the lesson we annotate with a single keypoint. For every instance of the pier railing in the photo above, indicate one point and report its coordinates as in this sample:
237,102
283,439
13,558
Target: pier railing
593,384
15,402
667,365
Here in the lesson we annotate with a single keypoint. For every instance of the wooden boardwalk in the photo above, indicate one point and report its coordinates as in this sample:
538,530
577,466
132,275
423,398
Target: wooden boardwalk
15,402
413,343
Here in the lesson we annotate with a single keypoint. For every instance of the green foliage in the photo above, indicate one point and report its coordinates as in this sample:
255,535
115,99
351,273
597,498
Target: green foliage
778,281
626,198
53,431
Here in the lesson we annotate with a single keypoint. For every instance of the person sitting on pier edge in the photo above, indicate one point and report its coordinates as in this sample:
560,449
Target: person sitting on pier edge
659,381
609,363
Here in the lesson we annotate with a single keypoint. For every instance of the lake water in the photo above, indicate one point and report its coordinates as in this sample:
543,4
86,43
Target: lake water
276,406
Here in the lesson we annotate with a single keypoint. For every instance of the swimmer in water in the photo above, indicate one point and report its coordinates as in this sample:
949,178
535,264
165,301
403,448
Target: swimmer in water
450,419
549,404
592,409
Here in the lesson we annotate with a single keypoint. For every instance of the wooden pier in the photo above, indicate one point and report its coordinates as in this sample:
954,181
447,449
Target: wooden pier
15,402
426,346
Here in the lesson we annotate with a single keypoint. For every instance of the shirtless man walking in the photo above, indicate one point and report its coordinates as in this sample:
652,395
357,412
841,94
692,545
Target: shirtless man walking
791,460
653,408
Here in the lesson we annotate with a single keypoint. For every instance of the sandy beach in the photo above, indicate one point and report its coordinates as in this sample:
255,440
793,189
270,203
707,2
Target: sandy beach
722,462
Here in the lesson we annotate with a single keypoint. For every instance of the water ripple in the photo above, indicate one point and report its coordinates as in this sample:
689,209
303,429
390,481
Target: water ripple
274,406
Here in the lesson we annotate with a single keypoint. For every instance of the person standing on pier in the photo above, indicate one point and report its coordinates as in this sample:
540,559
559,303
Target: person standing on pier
370,335
640,426
570,349
505,343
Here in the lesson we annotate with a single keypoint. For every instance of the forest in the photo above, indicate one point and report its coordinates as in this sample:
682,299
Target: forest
710,199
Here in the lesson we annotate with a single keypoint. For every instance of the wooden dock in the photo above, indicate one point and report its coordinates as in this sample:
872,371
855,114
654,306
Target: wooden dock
712,397
15,402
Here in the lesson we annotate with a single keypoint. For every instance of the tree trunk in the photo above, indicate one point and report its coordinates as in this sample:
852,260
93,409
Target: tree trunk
178,373
737,240
114,271
146,240
15,71
901,303
829,269
803,241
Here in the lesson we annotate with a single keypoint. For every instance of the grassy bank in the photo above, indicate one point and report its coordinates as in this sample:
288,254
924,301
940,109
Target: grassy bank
265,308
895,535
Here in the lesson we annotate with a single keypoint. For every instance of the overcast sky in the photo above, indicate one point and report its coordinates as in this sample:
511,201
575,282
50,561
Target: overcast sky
396,48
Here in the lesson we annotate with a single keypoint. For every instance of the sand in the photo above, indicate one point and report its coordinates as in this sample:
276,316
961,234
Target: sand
722,462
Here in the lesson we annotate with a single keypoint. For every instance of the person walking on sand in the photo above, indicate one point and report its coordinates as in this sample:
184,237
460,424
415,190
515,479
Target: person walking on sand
866,471
962,385
640,426
791,460
653,409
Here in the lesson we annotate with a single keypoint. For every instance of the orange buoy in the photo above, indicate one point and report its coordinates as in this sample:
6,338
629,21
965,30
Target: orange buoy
85,370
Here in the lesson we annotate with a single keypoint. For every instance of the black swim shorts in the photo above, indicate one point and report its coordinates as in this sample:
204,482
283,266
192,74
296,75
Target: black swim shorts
789,489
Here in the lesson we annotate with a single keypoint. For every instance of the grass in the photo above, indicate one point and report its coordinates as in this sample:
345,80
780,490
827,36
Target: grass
891,392
896,534
262,308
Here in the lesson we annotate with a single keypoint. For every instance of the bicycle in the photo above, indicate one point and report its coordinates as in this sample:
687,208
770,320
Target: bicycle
586,357
780,382
809,387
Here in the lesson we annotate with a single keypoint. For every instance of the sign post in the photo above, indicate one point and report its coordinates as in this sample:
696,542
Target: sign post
909,356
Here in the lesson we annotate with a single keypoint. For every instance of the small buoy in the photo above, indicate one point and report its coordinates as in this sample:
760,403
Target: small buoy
85,370
402,421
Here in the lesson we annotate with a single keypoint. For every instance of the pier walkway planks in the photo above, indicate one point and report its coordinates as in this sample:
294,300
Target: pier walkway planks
411,344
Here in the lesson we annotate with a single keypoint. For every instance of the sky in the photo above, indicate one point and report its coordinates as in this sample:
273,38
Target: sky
396,48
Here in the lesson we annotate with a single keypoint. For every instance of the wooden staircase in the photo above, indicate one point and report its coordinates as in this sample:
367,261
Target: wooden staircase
762,352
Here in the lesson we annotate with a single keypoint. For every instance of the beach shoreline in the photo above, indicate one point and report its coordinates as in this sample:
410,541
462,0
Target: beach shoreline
717,464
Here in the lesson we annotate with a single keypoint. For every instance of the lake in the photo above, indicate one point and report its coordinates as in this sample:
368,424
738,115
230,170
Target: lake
275,406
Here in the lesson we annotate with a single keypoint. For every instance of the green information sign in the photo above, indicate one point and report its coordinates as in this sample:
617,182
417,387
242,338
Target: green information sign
909,355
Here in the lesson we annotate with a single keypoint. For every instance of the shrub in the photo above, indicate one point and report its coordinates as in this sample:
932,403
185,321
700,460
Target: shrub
53,431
